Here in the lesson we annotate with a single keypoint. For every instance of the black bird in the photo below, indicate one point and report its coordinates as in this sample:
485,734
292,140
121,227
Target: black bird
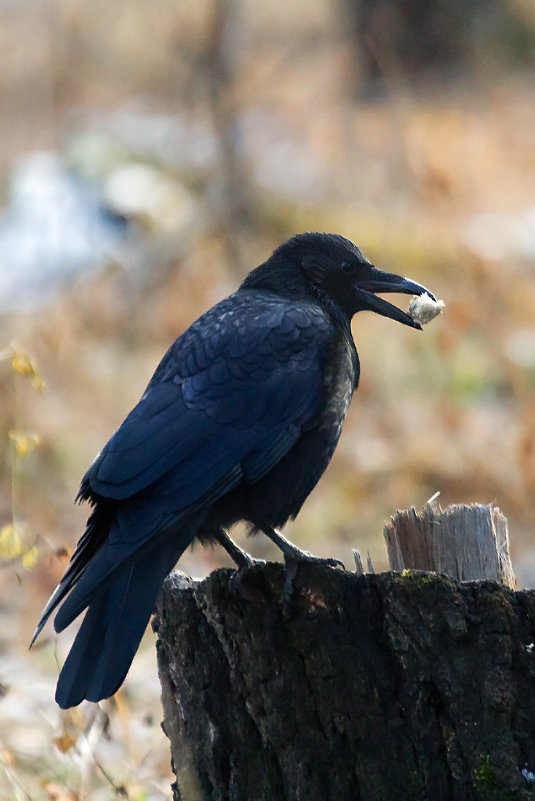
238,422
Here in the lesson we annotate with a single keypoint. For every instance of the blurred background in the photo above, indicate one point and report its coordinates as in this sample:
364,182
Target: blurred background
150,155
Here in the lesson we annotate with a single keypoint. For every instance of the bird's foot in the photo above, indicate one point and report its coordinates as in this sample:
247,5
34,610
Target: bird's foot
241,558
292,562
236,579
293,557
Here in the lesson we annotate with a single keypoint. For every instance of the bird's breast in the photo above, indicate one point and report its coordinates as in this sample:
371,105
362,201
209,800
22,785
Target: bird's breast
341,377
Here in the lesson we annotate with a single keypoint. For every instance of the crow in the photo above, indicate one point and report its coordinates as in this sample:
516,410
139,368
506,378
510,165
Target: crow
238,422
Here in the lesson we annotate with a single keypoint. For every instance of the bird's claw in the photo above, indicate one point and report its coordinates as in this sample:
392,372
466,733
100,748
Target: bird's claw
292,562
236,579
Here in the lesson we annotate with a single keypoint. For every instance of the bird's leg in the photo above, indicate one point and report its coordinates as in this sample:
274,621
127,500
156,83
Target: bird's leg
240,557
294,556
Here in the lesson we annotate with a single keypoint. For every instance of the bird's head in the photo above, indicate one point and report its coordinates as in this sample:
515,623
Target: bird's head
338,273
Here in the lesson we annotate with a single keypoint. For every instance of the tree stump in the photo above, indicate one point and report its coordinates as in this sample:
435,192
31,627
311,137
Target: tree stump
464,542
404,686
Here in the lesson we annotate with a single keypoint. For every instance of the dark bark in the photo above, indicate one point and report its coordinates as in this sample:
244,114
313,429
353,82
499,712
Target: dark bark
365,688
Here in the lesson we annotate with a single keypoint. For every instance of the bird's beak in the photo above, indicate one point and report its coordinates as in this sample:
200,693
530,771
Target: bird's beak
379,281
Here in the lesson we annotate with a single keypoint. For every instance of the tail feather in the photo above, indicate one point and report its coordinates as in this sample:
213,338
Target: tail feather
113,627
116,556
90,543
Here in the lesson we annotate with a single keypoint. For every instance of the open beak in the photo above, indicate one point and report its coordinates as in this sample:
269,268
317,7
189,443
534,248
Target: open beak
379,281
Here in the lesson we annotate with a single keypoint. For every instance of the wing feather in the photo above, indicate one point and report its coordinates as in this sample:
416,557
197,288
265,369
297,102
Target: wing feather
232,409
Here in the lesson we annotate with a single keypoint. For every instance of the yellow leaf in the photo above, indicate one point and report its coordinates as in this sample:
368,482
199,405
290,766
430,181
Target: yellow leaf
30,557
21,362
11,544
23,442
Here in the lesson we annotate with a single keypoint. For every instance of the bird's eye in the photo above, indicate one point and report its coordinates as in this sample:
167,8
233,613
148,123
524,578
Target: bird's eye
348,266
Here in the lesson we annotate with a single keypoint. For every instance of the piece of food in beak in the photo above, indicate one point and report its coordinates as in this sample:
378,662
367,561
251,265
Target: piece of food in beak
423,308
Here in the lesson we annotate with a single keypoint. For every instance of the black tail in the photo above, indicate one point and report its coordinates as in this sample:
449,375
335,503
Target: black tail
113,627
97,530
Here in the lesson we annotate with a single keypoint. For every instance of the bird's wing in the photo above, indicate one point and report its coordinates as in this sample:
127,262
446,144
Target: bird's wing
228,400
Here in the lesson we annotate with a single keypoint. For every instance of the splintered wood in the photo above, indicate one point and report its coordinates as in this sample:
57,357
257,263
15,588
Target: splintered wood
464,542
